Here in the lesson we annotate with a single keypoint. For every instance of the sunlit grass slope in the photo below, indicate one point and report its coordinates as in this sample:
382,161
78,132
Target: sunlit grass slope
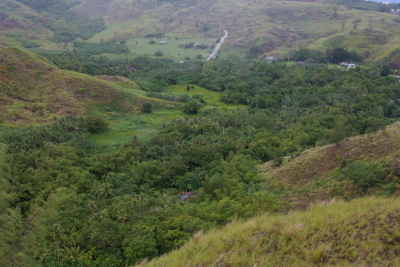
362,232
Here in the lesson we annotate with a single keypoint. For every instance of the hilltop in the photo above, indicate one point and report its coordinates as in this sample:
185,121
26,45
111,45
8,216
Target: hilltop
33,90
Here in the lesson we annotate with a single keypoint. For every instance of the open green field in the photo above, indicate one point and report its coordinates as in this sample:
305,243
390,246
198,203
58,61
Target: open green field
171,48
122,127
141,46
212,98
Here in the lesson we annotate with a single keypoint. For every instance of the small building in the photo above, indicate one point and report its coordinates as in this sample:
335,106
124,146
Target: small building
271,58
162,42
347,65
395,76
395,11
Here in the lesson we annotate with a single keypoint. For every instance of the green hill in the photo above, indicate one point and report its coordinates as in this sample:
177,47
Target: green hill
21,25
32,90
255,27
363,232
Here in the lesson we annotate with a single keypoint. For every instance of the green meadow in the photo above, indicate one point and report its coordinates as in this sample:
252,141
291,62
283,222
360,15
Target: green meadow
122,127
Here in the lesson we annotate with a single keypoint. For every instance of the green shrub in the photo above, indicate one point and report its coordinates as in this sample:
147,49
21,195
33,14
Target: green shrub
147,108
96,125
364,174
192,107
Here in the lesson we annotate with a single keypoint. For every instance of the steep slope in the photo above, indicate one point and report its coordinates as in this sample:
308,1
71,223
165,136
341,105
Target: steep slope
363,232
32,90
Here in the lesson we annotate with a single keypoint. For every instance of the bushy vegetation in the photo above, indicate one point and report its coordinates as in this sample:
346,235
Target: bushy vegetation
117,204
365,175
335,55
100,48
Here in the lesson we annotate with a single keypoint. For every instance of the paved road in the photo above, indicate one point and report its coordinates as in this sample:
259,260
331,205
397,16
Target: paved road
217,47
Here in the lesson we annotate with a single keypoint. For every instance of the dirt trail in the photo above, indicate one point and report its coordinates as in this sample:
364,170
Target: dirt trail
218,46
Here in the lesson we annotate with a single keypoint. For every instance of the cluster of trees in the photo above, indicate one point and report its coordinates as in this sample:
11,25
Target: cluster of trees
157,35
276,87
112,47
335,55
111,206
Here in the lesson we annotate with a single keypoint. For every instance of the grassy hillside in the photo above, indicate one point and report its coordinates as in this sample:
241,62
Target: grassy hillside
32,90
266,26
255,27
21,26
315,174
363,232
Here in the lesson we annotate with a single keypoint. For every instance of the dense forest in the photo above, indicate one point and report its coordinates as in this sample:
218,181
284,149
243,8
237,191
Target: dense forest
71,202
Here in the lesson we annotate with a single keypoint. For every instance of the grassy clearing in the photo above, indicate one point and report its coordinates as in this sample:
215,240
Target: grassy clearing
212,98
122,127
171,49
363,232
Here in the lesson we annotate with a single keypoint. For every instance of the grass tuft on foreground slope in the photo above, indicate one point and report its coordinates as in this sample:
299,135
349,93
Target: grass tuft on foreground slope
363,232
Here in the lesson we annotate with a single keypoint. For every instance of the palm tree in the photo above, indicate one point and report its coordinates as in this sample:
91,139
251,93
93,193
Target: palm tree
57,235
101,190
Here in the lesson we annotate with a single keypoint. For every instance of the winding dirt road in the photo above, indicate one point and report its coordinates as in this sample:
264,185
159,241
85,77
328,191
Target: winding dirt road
218,46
